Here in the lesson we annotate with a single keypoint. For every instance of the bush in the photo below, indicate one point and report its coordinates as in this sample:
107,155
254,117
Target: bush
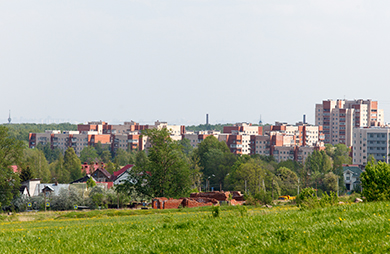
216,211
308,199
376,181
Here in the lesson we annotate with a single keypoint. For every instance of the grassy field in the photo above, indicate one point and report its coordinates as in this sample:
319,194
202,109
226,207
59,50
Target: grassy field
360,228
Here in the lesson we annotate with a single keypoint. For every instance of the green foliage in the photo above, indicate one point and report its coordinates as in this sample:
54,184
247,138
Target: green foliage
11,151
21,131
36,161
50,154
215,160
26,174
164,173
72,164
123,157
89,154
308,199
376,181
243,210
216,211
204,127
255,175
91,183
288,181
97,198
59,172
186,146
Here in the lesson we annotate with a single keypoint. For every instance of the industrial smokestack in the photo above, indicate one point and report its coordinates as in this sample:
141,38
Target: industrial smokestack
304,119
207,119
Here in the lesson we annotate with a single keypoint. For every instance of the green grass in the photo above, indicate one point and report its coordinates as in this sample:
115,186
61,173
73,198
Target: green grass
360,228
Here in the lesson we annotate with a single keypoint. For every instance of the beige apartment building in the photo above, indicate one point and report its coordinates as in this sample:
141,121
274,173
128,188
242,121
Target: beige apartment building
339,117
370,141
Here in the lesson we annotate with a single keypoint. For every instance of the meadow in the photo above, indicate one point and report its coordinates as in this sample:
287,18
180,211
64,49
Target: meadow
360,228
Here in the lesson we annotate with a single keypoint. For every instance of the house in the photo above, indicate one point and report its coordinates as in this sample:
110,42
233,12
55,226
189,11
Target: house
101,175
351,175
28,187
81,183
121,175
55,187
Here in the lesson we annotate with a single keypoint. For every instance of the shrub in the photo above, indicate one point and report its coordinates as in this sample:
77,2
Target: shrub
376,181
216,211
308,199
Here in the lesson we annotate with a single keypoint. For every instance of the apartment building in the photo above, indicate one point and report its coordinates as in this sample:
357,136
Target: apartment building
122,136
197,137
303,134
370,141
339,117
62,140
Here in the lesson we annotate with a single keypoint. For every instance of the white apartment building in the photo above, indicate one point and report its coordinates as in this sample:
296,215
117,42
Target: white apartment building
370,141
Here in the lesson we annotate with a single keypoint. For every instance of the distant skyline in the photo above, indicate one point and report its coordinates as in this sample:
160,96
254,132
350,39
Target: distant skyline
176,61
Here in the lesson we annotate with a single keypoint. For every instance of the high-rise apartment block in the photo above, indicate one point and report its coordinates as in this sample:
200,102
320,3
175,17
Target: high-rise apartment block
372,141
339,117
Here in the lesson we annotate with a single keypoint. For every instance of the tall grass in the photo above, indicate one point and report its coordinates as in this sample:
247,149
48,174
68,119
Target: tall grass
348,228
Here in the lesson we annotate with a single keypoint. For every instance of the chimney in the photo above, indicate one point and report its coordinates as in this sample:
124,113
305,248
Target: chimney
304,119
207,119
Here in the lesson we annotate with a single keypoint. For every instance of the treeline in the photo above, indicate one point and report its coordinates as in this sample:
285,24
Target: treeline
21,131
202,127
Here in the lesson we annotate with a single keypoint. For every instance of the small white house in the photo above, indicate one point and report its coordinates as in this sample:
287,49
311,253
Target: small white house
352,177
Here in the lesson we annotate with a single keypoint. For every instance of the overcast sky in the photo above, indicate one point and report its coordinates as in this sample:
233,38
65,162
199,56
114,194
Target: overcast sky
176,61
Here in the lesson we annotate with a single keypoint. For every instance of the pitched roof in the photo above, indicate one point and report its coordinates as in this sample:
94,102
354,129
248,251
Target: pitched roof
353,168
116,174
105,172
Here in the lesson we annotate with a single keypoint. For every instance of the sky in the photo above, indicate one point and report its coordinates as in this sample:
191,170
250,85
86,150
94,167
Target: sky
77,61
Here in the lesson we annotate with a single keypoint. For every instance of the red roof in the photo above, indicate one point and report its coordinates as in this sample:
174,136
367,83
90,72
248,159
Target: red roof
119,172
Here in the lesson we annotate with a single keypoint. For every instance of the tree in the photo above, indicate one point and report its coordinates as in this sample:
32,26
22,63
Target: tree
166,172
376,181
288,181
50,154
26,174
36,161
330,180
215,160
318,163
72,164
11,151
88,154
106,156
59,172
253,177
186,145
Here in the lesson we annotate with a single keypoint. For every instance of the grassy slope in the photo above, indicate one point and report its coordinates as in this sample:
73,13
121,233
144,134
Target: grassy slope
347,228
